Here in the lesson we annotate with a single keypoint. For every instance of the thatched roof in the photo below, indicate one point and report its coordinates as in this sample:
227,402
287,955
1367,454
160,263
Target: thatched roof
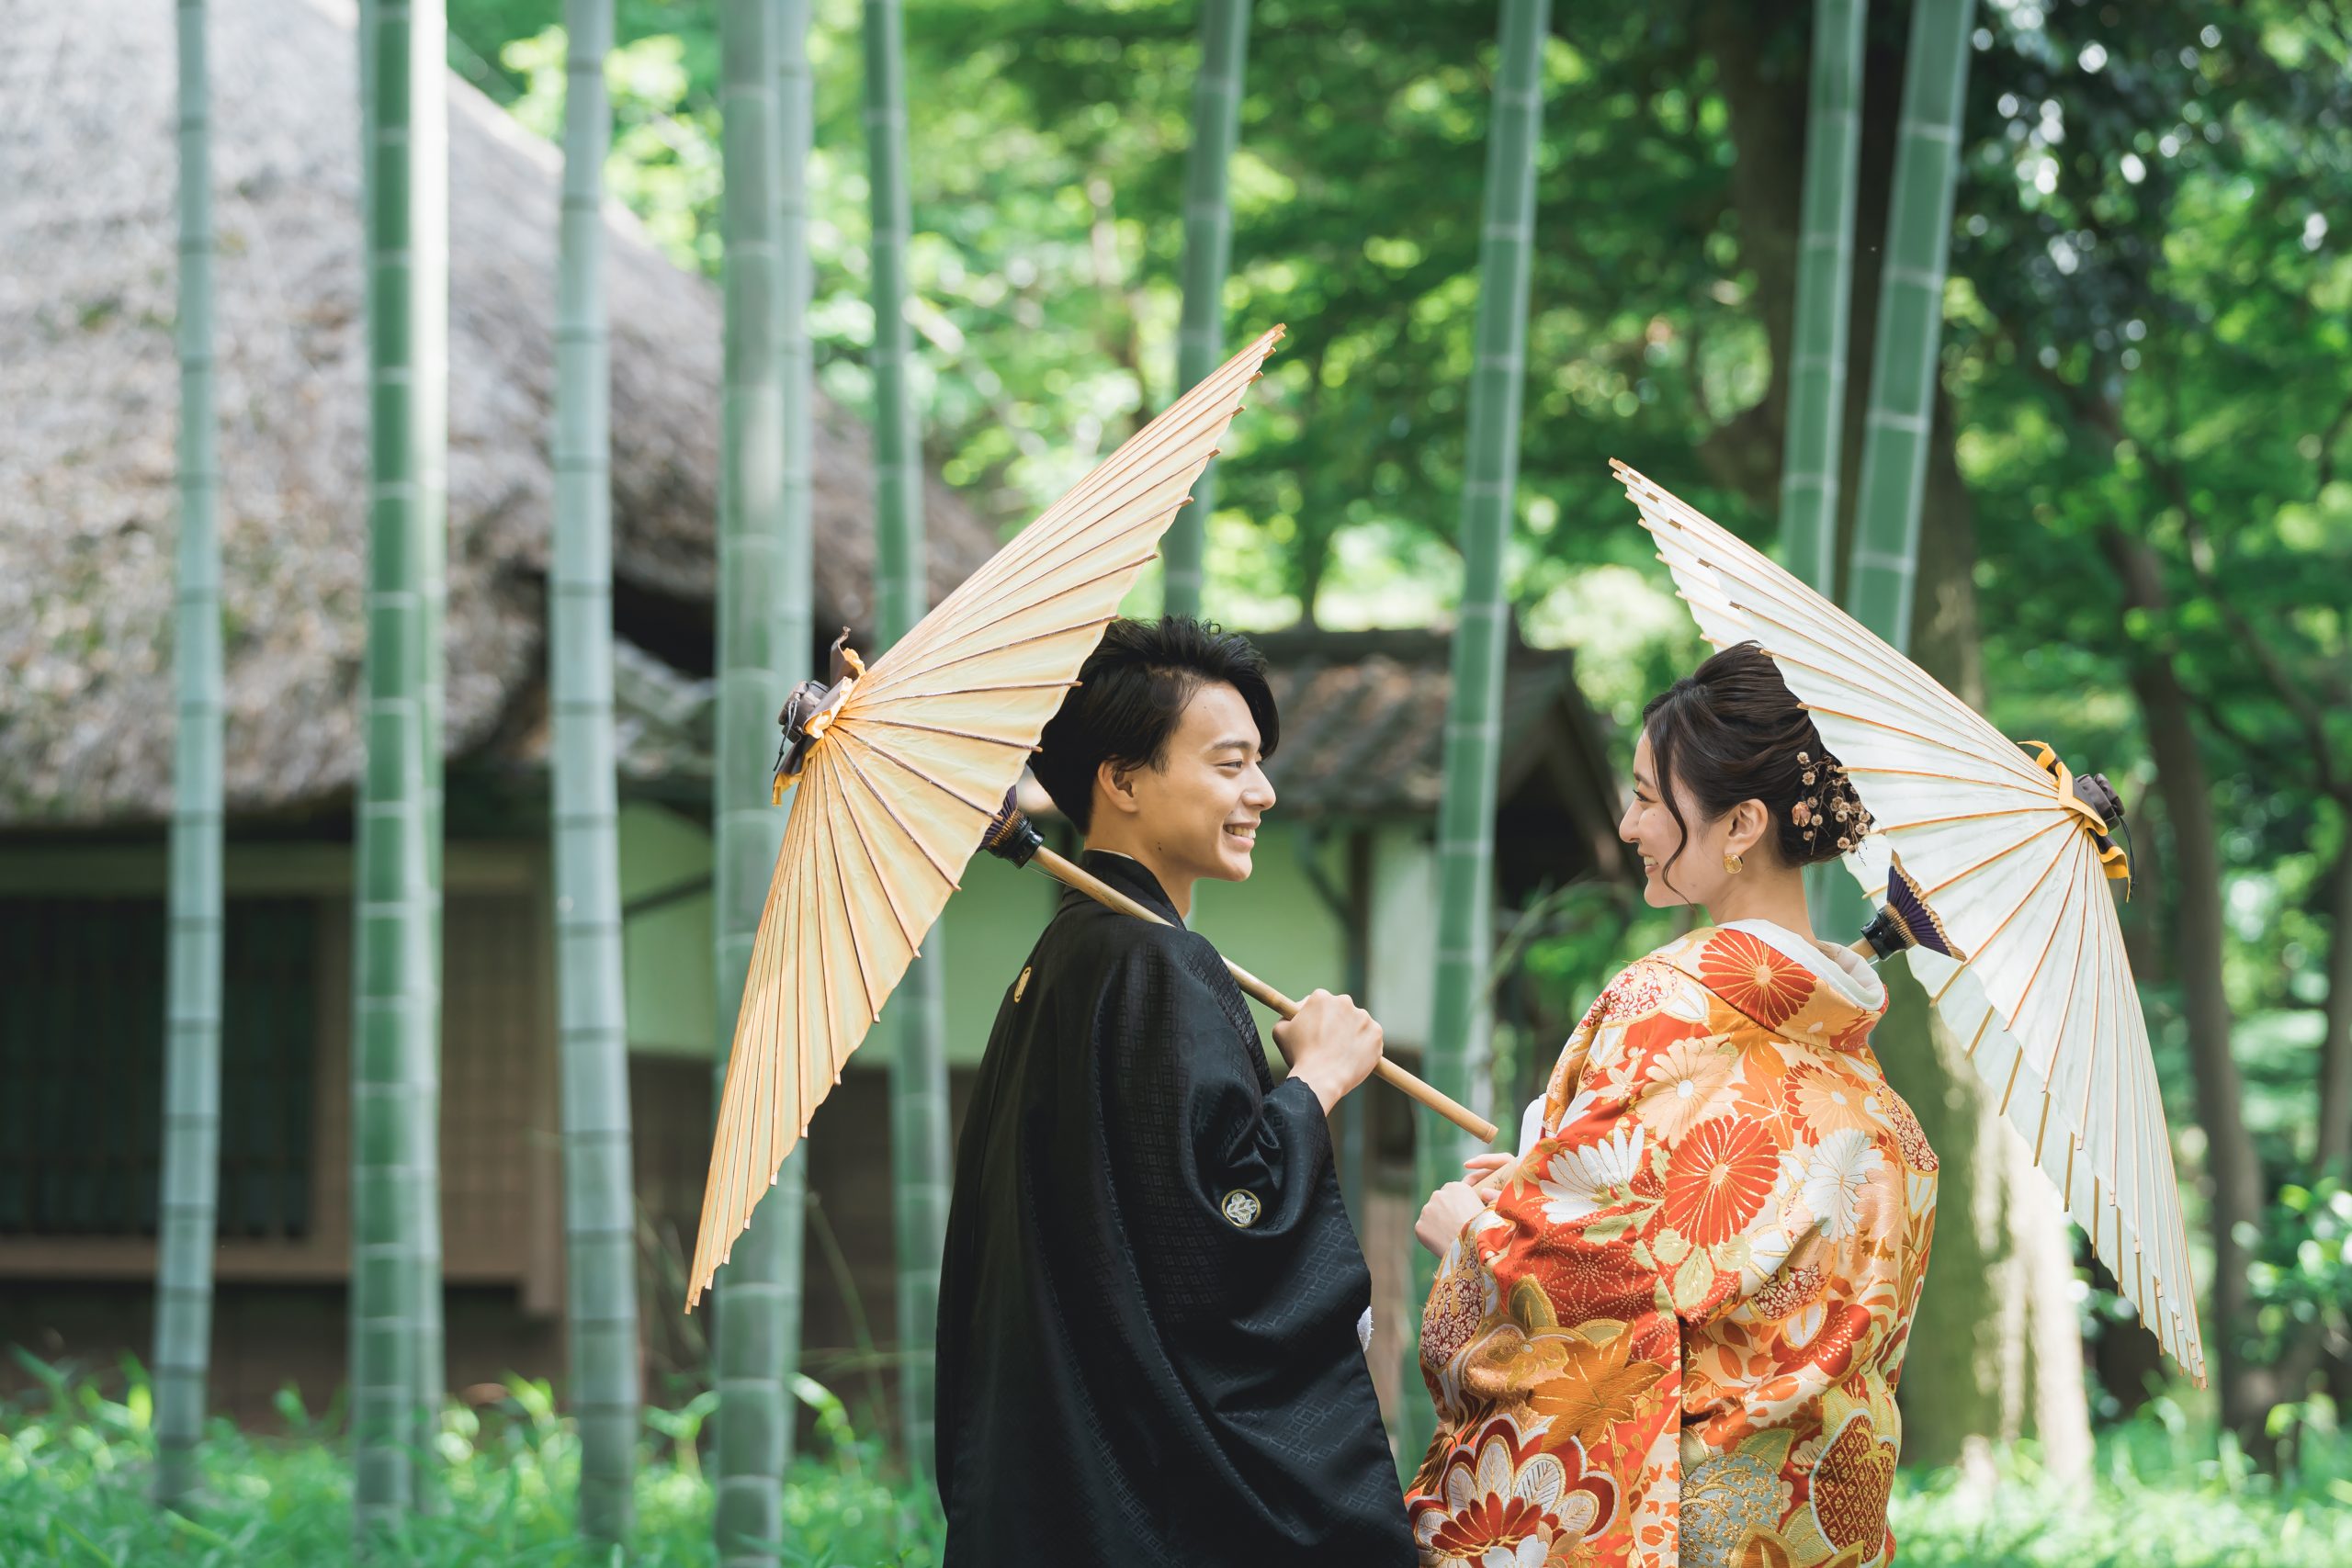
89,407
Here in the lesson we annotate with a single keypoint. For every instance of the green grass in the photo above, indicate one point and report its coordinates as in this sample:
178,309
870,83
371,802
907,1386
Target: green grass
77,1465
74,1465
2164,1494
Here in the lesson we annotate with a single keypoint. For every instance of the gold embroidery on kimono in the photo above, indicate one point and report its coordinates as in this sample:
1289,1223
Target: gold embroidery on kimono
1675,1337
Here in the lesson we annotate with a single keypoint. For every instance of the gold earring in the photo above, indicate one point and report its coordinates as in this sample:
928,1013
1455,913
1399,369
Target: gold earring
1733,863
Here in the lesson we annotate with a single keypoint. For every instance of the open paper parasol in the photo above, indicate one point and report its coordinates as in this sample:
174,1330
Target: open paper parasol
2013,852
903,768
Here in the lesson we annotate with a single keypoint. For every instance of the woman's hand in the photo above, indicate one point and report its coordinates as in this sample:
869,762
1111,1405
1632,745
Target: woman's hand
1449,1208
1484,1171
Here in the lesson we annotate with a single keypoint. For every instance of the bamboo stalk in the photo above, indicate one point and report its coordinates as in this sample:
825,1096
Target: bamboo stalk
1070,875
599,1206
1883,572
427,177
395,1289
796,634
1824,292
754,1412
1459,1024
1810,457
919,1133
1208,247
1884,569
191,1166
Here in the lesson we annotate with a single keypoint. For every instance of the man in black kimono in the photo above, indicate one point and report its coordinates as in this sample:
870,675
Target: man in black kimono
1152,1298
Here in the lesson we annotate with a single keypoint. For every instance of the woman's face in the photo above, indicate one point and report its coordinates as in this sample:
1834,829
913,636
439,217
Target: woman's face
1698,876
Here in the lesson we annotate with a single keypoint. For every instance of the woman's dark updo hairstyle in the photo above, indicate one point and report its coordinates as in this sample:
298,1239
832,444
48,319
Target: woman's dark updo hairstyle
1731,731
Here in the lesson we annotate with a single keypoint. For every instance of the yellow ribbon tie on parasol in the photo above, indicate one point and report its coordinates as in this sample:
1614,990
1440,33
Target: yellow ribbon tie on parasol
2111,856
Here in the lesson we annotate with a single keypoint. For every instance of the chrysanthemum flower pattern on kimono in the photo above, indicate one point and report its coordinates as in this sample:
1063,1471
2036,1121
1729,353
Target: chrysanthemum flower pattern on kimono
1677,1337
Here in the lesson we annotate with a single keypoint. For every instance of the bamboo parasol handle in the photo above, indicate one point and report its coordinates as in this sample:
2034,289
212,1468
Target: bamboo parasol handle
1061,870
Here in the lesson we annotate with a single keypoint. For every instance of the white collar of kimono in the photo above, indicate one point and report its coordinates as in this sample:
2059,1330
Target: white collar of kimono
1838,966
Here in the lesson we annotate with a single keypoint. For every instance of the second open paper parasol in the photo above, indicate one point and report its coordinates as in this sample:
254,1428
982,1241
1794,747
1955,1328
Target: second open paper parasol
2013,854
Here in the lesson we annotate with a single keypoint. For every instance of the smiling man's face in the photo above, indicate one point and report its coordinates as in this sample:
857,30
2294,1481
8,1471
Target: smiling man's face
1198,809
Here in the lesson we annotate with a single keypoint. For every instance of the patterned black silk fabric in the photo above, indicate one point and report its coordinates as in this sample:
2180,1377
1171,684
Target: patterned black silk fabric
1126,1375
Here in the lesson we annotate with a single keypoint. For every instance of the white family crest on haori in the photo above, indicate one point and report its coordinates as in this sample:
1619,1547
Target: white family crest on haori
2013,854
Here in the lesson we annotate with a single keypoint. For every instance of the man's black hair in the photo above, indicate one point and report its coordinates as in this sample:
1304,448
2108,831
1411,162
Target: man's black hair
1131,691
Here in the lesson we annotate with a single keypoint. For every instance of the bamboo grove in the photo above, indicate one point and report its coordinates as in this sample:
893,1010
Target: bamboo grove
766,640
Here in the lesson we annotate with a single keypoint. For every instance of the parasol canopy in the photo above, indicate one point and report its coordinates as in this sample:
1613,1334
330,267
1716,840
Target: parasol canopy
2013,852
901,769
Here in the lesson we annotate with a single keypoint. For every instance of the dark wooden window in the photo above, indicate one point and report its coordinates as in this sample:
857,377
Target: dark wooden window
81,1065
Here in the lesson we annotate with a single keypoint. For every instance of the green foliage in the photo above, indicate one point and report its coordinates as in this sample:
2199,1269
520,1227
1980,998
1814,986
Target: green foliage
1047,144
72,1473
2150,346
2302,1272
72,1465
2165,1495
664,165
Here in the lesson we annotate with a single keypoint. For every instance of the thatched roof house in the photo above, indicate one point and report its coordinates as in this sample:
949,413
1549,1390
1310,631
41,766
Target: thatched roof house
89,407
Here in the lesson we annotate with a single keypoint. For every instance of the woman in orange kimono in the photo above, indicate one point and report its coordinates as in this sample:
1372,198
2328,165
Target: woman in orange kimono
1674,1334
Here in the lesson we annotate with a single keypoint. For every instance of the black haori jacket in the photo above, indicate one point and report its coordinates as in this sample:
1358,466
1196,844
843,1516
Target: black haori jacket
1148,1348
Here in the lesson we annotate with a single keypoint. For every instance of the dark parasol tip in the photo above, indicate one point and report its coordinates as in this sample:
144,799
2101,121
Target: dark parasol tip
1906,921
1009,835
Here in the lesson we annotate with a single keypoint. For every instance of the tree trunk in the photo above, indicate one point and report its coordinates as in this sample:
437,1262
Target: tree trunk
1997,1346
2333,1152
599,1212
1208,245
191,1166
396,1289
919,1131
1465,839
2247,1391
796,633
753,667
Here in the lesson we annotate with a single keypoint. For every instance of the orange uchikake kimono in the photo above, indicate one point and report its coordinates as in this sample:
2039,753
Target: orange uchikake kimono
1675,1337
